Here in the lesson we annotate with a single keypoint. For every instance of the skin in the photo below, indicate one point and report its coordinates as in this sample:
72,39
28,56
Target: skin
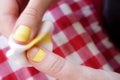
22,12
17,12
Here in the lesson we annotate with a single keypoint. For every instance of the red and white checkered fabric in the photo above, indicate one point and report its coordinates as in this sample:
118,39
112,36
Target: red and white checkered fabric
78,37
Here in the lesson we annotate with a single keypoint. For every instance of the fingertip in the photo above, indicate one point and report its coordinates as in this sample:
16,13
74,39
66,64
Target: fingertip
36,54
22,34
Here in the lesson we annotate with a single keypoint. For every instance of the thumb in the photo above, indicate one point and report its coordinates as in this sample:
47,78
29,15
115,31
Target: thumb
52,64
29,21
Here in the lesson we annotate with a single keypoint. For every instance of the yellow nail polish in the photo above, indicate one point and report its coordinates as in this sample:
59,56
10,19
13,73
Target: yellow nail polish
39,56
22,33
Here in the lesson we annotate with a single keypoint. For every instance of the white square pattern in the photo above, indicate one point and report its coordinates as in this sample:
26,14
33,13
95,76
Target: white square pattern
77,0
14,66
93,48
95,27
79,28
107,43
65,9
48,16
50,78
117,58
60,38
86,11
75,58
30,78
107,67
3,42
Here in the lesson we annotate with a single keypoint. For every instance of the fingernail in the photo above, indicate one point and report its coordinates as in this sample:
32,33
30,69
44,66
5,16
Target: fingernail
36,54
22,33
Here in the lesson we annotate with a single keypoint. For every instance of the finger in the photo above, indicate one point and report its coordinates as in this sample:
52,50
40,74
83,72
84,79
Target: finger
53,65
8,15
28,23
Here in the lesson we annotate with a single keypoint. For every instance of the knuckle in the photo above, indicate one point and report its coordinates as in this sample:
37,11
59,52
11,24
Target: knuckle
31,13
57,66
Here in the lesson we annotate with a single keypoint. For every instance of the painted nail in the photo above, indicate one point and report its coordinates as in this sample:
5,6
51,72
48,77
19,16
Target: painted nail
36,57
22,33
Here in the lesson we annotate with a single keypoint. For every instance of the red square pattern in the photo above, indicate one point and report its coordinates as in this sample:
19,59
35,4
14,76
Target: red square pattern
72,18
57,29
75,6
92,18
11,76
2,56
77,42
32,70
63,22
101,59
84,21
67,49
93,62
70,32
107,54
96,38
114,64
59,52
57,13
85,53
117,70
86,37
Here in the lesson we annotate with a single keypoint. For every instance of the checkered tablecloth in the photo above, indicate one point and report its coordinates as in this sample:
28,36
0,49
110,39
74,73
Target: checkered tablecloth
78,37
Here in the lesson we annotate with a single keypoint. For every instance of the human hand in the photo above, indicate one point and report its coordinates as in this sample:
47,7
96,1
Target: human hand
54,65
14,13
11,17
